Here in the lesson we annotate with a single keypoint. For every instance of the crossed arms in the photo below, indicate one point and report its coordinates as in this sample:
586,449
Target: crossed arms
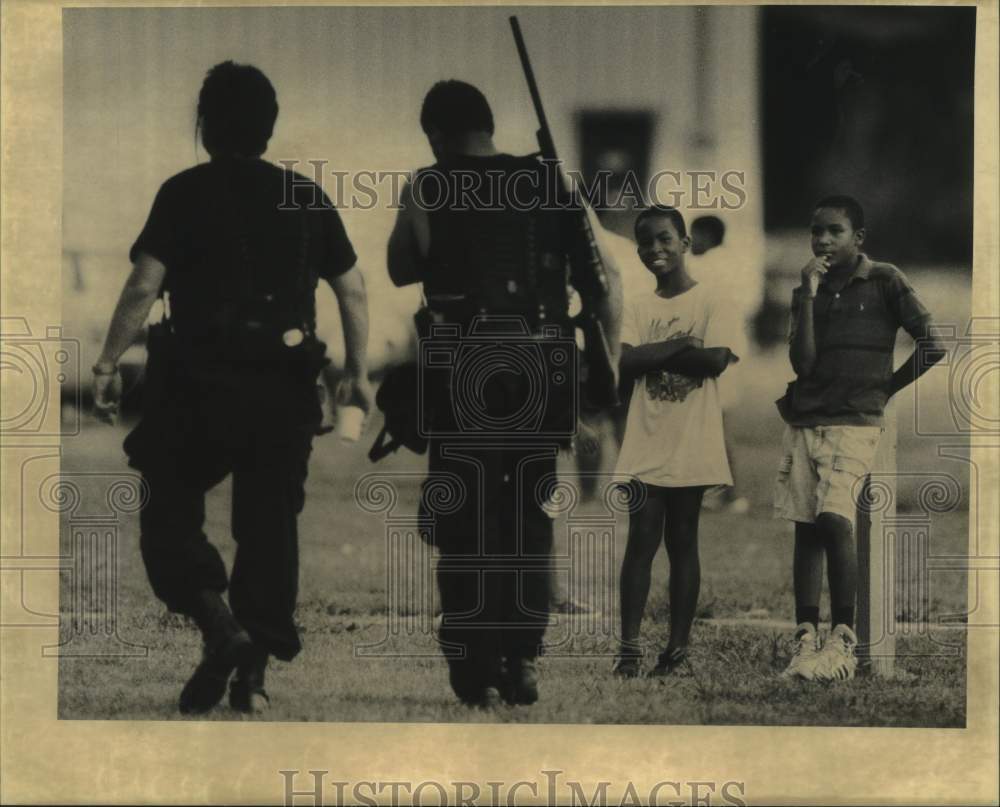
684,355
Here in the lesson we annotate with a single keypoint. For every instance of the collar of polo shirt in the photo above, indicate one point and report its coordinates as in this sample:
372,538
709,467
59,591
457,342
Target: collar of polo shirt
861,272
863,268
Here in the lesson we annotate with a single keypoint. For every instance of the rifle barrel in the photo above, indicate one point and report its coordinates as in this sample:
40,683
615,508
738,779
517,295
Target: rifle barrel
529,74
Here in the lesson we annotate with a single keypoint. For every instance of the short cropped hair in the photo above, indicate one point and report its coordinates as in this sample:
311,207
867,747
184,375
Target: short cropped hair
454,107
712,226
671,213
237,108
850,206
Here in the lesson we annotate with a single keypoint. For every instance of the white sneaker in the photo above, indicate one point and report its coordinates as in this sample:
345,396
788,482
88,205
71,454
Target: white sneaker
805,655
837,661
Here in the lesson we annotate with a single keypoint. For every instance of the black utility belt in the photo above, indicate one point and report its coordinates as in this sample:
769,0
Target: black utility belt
286,335
273,348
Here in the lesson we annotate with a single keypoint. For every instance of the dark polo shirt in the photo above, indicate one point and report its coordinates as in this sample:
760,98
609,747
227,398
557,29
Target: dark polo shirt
855,338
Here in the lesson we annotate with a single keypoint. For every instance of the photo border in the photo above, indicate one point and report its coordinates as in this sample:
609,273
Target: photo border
46,760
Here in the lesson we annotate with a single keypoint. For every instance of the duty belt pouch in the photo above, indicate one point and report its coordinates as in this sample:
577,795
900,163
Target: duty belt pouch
161,358
150,443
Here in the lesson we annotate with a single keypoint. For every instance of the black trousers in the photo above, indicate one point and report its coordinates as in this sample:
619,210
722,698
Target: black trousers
187,446
495,541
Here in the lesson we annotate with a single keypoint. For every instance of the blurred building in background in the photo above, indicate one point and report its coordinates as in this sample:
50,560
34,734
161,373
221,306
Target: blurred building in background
635,90
792,102
875,102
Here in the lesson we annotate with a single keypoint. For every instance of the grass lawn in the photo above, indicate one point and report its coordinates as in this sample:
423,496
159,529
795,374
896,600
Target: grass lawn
738,649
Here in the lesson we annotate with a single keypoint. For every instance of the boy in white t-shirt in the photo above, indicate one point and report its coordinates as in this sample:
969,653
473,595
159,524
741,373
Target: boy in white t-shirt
676,341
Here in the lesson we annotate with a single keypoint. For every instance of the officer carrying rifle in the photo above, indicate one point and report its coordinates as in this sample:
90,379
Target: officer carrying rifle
495,249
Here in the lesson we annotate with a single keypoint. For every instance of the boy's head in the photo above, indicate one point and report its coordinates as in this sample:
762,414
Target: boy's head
237,108
838,230
707,233
452,110
662,239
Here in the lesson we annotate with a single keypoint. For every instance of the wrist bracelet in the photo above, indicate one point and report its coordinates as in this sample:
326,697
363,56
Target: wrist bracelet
96,370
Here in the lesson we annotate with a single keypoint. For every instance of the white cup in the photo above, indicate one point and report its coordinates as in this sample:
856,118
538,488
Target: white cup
349,422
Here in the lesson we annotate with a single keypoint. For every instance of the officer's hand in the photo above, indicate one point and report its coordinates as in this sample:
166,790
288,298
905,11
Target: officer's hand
107,395
355,390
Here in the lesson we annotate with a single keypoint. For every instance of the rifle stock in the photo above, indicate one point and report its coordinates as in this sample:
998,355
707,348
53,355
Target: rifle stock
589,276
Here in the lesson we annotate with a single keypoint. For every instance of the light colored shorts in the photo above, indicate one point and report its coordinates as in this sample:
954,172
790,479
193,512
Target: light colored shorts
820,470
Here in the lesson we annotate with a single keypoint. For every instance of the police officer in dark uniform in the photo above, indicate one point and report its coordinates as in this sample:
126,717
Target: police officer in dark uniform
482,231
236,247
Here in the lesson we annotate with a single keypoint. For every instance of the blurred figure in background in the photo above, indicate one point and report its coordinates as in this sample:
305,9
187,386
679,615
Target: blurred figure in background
712,261
238,245
707,235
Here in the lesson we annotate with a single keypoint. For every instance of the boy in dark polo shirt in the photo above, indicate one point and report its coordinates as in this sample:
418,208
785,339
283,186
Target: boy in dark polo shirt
845,316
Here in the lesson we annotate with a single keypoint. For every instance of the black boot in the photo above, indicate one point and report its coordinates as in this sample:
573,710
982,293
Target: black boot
246,692
226,646
520,681
476,680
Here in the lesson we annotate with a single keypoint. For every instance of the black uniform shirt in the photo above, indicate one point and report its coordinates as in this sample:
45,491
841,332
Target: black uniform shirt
196,213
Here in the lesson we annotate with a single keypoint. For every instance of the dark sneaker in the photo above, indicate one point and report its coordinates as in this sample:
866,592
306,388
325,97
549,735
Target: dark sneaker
207,685
521,681
246,691
626,667
628,662
668,661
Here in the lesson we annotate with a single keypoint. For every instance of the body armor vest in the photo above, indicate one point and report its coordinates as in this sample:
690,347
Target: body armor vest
494,250
501,359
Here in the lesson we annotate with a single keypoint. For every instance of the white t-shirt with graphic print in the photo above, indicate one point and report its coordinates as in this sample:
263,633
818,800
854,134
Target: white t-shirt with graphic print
673,435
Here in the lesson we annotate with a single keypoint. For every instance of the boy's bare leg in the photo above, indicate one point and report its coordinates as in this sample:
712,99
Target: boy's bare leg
645,530
837,661
807,572
681,539
807,575
837,534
